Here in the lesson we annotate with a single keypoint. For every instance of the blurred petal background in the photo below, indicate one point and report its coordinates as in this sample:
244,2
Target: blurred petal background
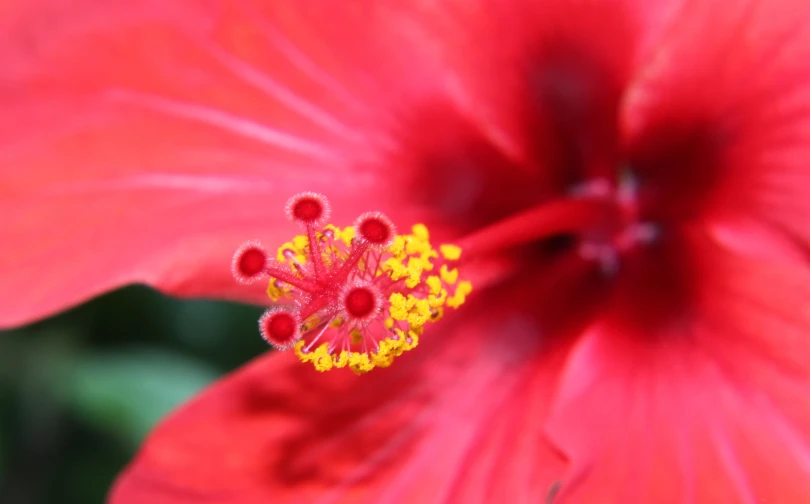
79,391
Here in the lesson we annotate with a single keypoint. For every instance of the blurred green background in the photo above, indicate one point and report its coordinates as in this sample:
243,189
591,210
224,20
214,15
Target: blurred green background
79,391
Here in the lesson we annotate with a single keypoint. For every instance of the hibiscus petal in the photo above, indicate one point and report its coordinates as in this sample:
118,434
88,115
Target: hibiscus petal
718,119
711,408
454,421
544,79
142,142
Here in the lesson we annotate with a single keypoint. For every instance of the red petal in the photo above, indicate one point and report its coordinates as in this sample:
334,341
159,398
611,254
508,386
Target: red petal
544,79
142,142
712,408
457,420
726,100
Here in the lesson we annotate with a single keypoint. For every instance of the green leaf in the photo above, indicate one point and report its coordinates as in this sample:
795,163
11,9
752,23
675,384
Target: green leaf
126,393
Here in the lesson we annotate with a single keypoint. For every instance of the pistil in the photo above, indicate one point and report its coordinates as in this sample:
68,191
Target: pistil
574,216
356,297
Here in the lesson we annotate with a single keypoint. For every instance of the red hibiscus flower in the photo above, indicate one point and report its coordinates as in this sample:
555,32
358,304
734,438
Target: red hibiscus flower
627,181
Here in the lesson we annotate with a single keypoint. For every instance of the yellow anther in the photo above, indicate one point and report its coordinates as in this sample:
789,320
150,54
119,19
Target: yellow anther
438,299
450,252
397,248
383,362
401,335
347,235
382,358
435,284
420,231
412,335
389,349
342,360
360,363
389,323
420,313
449,276
337,233
399,306
323,363
415,246
396,270
414,268
426,257
414,341
280,256
274,291
463,289
299,351
298,247
320,357
300,242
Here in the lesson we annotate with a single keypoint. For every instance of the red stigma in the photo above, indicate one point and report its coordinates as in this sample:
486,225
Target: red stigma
360,302
279,328
376,229
308,208
252,262
249,262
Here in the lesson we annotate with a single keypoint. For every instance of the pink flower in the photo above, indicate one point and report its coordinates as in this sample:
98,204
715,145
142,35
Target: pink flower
627,179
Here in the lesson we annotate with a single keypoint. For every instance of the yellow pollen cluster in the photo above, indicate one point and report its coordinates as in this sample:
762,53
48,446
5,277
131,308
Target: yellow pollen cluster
417,282
345,235
359,362
298,246
277,290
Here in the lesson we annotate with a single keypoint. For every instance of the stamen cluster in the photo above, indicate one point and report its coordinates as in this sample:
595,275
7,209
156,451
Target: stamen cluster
352,297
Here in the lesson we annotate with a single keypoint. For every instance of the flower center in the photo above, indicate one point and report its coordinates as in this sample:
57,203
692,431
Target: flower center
360,296
603,218
606,245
